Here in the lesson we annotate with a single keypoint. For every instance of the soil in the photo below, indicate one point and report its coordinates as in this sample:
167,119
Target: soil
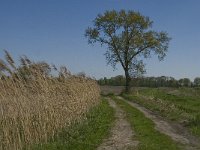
175,131
121,136
105,90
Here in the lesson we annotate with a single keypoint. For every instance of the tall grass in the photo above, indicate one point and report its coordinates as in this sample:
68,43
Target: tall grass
35,106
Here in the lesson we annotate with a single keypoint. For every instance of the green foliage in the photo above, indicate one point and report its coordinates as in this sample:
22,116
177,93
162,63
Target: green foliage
162,81
197,81
149,138
114,81
175,104
120,80
84,135
129,38
185,82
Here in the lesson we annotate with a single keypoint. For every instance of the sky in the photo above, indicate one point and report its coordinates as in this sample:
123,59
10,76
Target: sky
53,31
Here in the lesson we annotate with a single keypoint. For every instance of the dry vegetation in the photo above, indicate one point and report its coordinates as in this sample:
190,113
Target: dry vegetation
106,90
35,106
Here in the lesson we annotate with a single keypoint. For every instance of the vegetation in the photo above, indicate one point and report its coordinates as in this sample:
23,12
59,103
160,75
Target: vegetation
129,39
181,105
84,135
45,107
162,81
197,81
144,128
35,106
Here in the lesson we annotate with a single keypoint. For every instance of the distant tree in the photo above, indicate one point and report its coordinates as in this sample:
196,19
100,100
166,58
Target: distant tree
172,82
184,82
118,80
162,81
197,81
129,39
101,81
181,82
105,80
187,82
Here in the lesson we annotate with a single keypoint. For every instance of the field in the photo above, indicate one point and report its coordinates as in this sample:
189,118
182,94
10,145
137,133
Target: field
85,134
115,98
179,105
144,128
36,107
106,90
42,111
39,112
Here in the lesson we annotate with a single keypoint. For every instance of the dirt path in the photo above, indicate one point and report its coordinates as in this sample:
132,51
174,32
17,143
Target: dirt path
121,134
177,133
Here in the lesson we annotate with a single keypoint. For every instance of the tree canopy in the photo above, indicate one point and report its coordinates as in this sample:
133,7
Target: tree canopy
129,38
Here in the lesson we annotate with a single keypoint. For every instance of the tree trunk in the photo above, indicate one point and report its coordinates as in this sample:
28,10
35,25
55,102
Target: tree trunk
127,89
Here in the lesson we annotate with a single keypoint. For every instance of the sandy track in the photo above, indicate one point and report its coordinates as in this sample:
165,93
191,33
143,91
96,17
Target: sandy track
121,137
189,142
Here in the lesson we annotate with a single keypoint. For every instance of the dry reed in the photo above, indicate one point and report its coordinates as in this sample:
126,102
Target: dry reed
35,106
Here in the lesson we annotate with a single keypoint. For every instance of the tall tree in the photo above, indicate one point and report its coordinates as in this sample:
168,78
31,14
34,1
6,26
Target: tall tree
129,39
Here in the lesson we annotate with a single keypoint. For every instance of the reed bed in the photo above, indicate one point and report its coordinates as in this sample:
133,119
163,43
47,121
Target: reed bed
35,106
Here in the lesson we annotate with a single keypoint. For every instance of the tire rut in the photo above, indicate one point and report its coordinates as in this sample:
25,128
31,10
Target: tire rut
189,142
121,137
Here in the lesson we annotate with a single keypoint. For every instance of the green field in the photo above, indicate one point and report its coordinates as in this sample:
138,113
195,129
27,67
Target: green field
181,105
149,138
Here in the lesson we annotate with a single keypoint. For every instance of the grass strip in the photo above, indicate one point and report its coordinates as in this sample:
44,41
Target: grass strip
86,135
144,128
172,107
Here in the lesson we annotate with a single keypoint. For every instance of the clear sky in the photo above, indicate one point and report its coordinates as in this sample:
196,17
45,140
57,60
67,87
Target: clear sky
53,30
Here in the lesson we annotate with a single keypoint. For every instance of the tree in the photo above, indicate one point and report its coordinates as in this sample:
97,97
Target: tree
197,81
129,39
185,82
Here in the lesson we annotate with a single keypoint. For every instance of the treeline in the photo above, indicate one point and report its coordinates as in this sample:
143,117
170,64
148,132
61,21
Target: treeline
162,81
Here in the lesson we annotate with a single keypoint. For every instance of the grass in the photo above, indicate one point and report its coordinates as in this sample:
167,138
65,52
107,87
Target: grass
86,135
144,128
175,104
35,105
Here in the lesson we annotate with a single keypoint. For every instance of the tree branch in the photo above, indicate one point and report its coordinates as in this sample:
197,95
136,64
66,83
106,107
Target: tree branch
139,51
116,50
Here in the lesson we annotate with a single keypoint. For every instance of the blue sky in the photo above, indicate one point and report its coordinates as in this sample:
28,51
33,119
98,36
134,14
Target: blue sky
53,30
